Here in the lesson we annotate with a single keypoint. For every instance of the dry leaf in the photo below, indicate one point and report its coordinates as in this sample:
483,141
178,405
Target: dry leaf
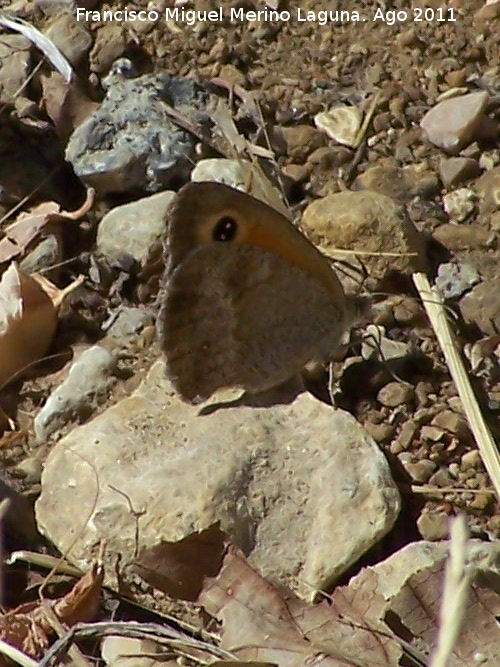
28,321
45,218
27,628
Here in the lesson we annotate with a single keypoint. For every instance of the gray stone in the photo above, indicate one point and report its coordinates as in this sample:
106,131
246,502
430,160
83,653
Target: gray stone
47,253
433,526
128,324
130,143
133,229
454,279
302,489
453,123
394,394
86,386
459,204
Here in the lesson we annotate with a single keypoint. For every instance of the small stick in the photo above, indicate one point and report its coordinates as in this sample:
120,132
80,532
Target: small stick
433,305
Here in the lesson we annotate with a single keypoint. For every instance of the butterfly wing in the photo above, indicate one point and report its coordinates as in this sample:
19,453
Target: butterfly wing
236,315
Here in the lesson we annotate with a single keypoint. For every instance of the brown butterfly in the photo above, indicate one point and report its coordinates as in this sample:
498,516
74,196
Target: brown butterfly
247,300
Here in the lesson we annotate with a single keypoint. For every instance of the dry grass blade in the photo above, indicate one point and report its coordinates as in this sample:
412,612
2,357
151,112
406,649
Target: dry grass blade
49,50
453,604
486,445
17,656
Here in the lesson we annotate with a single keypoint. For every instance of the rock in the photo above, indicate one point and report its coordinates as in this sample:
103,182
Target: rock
420,471
128,324
406,435
471,459
240,174
86,386
298,173
380,432
301,488
47,253
452,422
456,170
342,124
70,36
129,143
433,526
301,140
453,123
459,204
134,228
482,306
462,237
431,433
401,183
488,192
14,65
376,345
368,222
109,46
454,279
233,76
394,394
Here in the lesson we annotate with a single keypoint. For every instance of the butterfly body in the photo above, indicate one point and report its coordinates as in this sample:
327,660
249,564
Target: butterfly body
248,301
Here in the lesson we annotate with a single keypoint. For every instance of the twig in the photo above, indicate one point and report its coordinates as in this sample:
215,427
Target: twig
161,634
433,305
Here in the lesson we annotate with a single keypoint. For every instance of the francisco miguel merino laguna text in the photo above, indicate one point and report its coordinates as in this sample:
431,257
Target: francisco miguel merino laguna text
193,16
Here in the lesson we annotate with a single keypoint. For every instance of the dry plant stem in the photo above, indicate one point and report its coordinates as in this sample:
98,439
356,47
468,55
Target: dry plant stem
486,445
159,633
73,651
16,655
453,603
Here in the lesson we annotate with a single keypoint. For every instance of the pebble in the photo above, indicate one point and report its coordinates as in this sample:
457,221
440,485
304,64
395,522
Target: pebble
47,253
431,433
454,171
459,204
129,143
370,222
70,36
381,433
128,324
376,345
406,435
87,384
462,237
441,478
301,140
470,459
133,229
487,189
433,526
394,394
14,65
342,124
420,471
453,123
452,422
401,183
454,279
482,306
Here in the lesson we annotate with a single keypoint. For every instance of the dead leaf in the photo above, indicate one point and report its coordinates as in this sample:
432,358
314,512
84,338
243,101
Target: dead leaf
27,628
258,624
44,219
28,320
